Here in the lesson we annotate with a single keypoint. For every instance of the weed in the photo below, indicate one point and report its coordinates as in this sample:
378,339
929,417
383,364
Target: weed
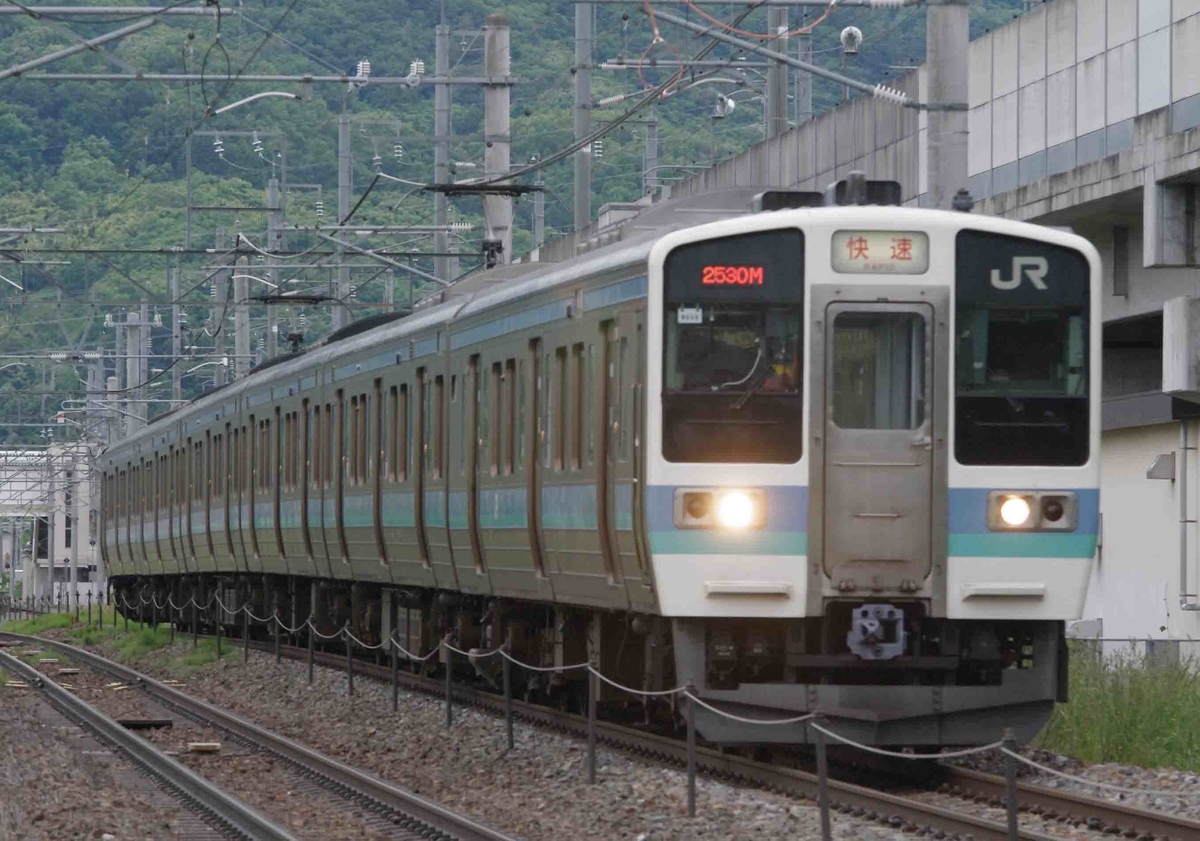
1130,709
137,644
39,624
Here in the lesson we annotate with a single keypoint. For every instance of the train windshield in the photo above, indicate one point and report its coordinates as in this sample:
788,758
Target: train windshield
1021,379
732,349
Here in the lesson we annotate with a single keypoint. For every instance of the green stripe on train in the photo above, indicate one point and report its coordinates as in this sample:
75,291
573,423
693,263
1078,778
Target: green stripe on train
1022,545
713,542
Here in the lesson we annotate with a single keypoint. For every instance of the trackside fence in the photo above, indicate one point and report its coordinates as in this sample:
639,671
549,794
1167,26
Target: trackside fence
819,725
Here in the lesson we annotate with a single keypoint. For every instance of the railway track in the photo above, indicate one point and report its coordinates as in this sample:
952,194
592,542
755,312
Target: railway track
1110,817
413,816
225,813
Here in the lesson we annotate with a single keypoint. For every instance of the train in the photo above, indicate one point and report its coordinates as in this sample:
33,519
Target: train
804,452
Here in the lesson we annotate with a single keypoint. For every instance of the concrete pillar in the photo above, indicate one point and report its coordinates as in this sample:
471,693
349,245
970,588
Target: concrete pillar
341,287
441,150
583,113
1169,221
497,61
946,45
777,74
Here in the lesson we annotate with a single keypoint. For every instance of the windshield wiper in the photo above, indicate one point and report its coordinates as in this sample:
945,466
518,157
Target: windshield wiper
751,391
757,359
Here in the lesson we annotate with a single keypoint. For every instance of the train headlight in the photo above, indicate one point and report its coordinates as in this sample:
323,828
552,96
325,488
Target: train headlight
1015,511
736,510
1032,511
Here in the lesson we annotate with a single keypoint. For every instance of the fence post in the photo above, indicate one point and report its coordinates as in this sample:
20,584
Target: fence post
1010,784
171,611
126,601
508,727
278,638
446,664
195,622
141,613
312,647
691,750
822,780
349,659
89,608
591,731
153,612
245,633
77,602
219,611
395,666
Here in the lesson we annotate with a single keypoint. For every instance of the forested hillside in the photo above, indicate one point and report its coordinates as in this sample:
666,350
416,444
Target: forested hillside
104,161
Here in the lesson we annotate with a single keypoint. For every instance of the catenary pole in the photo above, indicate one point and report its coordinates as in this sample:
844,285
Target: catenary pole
441,150
583,113
946,45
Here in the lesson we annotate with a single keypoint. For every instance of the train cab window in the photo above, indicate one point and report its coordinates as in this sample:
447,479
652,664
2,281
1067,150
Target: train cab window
1021,358
878,370
733,349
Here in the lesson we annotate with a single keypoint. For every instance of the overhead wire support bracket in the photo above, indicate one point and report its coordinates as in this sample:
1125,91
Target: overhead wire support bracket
878,91
89,44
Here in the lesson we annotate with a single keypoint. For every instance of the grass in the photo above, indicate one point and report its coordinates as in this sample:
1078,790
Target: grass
1129,709
40,624
137,644
203,654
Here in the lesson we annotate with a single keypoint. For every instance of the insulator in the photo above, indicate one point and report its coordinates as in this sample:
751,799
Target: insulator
398,151
416,68
319,207
377,162
212,292
890,94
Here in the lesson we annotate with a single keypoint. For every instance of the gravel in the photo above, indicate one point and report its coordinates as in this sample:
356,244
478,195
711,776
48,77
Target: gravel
538,791
1157,780
59,783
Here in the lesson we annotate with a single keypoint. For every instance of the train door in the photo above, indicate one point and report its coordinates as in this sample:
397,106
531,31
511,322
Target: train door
878,457
434,466
622,430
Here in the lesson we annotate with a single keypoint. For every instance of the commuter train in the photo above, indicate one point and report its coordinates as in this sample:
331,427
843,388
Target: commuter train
834,458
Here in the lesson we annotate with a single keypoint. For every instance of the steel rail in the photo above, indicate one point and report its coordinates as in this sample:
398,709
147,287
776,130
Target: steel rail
321,767
1115,818
227,812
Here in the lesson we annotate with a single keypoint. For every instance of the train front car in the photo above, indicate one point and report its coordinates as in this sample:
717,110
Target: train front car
872,468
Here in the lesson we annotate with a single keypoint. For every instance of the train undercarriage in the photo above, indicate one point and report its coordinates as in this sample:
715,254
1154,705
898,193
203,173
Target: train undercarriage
953,683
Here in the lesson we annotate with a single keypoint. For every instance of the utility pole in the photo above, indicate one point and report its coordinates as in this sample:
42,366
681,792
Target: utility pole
946,45
176,336
275,215
114,419
341,286
650,158
775,105
583,113
497,61
218,310
241,319
389,290
539,212
134,357
441,149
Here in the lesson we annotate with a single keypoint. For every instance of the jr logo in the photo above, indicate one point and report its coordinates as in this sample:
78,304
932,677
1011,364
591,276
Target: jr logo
1034,268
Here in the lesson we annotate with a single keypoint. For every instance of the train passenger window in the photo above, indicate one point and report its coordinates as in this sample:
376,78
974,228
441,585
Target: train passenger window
578,384
361,435
879,361
522,450
439,425
460,412
589,414
352,451
495,417
327,446
561,404
622,437
1021,356
379,438
510,412
314,448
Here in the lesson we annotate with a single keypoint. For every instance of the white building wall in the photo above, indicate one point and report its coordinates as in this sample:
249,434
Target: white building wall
1135,582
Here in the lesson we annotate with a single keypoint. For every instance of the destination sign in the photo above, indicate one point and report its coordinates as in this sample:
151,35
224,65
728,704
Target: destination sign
880,252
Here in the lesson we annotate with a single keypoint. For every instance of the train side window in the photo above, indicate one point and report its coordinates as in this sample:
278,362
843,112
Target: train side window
510,414
561,404
578,376
495,421
439,420
402,445
315,448
391,444
589,416
619,401
460,412
375,463
521,412
363,426
327,447
351,466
